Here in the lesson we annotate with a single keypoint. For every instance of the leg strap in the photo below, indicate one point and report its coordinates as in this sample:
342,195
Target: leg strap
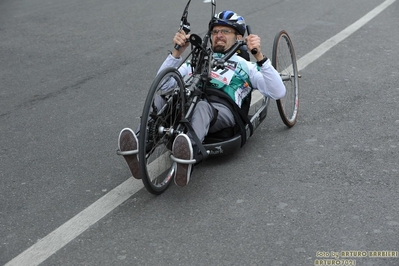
199,150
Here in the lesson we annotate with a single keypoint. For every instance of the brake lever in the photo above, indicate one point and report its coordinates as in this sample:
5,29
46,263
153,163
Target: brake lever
184,25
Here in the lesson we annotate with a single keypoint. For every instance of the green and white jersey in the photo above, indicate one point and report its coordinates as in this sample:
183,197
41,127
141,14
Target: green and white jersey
234,79
239,78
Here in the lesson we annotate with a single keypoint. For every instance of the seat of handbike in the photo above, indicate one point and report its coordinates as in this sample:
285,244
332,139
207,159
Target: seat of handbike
223,142
222,146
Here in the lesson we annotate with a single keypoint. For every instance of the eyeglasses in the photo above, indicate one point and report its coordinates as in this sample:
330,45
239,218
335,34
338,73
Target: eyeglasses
223,31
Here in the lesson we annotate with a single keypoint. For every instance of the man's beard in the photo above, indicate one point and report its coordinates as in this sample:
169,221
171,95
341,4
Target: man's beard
219,49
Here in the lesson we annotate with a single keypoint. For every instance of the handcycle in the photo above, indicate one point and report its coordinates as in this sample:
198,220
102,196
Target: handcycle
160,126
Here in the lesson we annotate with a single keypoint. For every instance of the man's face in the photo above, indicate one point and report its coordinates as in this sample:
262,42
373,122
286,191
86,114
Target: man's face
223,38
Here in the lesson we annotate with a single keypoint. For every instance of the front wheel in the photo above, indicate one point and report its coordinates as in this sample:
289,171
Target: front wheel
159,126
284,61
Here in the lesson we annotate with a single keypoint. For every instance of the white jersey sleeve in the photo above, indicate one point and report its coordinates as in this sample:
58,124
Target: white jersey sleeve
171,61
267,80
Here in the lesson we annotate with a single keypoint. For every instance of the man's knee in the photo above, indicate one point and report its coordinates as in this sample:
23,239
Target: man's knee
204,107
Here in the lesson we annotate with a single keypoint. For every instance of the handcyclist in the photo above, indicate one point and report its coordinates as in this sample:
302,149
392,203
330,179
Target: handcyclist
213,114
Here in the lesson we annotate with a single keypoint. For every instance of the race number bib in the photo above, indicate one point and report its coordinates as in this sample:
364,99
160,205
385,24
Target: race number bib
225,75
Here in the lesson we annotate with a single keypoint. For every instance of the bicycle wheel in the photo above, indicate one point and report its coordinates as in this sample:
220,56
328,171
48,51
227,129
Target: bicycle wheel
158,128
284,61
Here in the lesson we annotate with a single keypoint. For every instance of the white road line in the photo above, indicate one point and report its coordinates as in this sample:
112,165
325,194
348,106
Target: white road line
61,236
330,43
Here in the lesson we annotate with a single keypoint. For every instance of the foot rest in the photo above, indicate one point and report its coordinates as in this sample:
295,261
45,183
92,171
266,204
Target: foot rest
182,161
124,153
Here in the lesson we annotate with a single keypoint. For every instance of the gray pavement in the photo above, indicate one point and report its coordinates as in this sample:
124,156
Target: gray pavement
73,73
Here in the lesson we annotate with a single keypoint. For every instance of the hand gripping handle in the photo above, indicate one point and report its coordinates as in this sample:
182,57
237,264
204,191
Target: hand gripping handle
253,51
186,29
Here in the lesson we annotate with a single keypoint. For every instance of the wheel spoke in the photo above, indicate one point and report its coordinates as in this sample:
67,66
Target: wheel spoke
284,61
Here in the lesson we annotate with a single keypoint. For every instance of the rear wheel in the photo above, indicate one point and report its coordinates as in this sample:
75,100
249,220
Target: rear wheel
284,61
158,129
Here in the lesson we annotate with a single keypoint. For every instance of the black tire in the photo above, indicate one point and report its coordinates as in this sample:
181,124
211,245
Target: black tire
284,61
158,131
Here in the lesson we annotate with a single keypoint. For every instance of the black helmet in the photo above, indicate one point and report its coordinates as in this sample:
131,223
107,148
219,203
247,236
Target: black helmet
229,18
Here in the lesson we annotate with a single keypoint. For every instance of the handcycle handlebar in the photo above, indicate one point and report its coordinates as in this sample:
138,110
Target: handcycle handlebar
220,62
197,42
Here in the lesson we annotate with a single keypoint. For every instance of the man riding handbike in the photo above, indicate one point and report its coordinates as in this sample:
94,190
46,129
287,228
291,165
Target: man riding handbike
214,113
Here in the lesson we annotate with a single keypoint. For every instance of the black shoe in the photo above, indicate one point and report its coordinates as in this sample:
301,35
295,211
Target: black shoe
182,150
128,144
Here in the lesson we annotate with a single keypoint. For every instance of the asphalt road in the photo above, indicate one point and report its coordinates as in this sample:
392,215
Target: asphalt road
73,73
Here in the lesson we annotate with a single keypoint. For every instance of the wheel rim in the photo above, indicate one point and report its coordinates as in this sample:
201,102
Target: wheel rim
159,127
285,64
